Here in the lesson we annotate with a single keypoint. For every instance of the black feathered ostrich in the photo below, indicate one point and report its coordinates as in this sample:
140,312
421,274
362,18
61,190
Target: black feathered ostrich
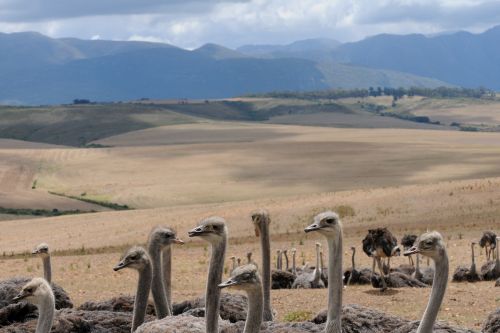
380,243
489,243
407,242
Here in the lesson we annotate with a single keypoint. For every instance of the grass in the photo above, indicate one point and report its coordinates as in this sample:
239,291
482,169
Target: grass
40,212
107,204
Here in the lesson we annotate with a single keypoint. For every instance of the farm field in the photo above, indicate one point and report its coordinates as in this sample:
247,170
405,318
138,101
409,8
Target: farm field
176,164
461,210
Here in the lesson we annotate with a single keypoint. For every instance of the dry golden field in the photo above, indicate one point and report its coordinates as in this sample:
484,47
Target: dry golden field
407,180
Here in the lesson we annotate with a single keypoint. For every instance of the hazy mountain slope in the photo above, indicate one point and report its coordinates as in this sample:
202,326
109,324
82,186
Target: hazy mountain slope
159,73
462,58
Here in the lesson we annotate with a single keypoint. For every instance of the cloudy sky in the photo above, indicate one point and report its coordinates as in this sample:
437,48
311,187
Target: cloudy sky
191,23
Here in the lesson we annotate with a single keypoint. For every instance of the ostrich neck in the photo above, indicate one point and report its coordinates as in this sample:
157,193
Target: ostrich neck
334,286
286,261
352,259
212,297
266,271
158,286
47,269
437,294
317,269
294,267
167,274
141,297
47,310
255,310
473,260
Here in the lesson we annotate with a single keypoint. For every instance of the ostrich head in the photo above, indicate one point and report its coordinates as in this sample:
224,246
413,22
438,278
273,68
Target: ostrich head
260,218
212,229
34,291
243,278
42,250
429,244
135,257
353,248
327,223
164,236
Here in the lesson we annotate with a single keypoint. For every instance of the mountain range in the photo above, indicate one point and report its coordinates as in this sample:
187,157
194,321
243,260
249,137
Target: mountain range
36,69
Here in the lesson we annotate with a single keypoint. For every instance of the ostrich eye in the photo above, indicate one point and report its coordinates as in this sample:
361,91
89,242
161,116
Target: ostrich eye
29,290
330,221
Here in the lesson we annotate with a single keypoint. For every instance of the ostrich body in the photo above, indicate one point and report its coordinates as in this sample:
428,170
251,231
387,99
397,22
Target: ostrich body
491,270
310,280
380,243
39,292
489,242
463,273
426,275
492,323
353,276
10,313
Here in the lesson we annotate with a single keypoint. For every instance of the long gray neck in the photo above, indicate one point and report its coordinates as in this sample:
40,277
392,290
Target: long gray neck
266,271
437,294
47,269
212,298
141,297
167,274
158,286
46,310
255,310
317,269
473,265
333,324
286,260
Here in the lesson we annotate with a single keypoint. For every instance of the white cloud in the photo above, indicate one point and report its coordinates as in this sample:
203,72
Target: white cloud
191,23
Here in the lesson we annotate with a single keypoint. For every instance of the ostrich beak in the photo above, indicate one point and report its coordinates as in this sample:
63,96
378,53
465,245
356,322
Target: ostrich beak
35,251
120,265
20,296
198,231
178,241
227,283
411,251
312,227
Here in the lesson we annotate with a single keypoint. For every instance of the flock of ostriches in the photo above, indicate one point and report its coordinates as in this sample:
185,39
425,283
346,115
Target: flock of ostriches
41,306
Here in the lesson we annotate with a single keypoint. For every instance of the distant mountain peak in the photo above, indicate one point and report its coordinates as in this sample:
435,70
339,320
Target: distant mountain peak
216,51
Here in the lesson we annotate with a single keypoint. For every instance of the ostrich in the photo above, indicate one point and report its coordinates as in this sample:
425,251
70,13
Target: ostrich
429,244
353,276
407,242
491,270
38,291
463,273
261,221
293,270
492,323
160,238
233,263
426,275
285,254
308,280
489,242
380,243
324,272
9,288
214,231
